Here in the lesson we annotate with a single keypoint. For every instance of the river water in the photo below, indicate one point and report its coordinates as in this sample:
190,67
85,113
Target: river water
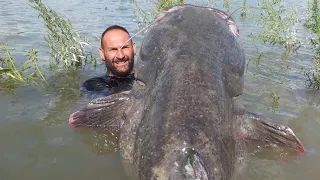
37,142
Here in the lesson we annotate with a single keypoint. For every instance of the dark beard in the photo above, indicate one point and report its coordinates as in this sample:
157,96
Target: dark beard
114,71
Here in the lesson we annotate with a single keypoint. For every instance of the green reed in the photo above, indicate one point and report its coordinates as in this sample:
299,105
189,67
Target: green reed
11,77
67,47
8,68
36,74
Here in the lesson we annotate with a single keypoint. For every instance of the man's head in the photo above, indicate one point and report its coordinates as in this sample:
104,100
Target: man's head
117,52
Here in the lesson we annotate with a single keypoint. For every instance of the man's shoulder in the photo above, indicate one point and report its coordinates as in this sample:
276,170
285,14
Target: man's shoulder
107,83
96,83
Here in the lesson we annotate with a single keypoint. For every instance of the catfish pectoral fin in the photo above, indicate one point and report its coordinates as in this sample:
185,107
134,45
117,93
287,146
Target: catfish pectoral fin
77,117
256,127
106,112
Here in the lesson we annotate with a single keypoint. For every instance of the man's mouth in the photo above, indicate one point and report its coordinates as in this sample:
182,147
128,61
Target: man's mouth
120,61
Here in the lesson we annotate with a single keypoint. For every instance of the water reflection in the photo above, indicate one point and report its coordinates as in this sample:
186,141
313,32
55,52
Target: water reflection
64,89
101,141
313,97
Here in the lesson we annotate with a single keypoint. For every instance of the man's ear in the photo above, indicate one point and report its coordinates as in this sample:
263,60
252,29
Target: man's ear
101,52
134,47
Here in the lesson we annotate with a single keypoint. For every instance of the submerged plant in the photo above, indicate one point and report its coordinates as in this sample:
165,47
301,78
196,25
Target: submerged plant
278,25
67,47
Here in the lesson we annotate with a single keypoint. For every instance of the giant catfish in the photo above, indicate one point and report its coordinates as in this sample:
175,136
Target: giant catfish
180,121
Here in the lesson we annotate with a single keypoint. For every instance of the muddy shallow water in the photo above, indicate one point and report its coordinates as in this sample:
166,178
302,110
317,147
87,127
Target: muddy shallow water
37,142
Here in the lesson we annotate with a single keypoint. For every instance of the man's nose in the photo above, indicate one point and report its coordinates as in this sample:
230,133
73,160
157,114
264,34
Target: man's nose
120,54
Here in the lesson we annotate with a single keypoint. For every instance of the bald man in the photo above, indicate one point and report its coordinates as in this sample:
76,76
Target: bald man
117,51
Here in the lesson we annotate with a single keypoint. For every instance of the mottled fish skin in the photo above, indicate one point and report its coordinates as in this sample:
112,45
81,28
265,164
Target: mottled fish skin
180,122
192,65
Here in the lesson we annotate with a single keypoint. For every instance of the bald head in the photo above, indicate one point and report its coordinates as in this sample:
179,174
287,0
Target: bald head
114,27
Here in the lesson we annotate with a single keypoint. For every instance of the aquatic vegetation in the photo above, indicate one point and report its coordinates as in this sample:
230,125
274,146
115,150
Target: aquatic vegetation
226,5
165,4
278,27
277,24
275,100
11,77
147,16
8,68
311,12
244,9
313,23
67,47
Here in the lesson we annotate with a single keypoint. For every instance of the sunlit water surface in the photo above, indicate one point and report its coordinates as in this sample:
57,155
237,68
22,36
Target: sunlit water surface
37,142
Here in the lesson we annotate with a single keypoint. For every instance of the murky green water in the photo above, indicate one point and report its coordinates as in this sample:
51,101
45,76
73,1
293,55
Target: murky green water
37,142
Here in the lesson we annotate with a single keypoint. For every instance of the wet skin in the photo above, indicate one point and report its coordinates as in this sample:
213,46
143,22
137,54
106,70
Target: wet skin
180,120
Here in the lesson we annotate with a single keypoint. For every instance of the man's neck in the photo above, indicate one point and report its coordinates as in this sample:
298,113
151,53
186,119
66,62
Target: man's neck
115,76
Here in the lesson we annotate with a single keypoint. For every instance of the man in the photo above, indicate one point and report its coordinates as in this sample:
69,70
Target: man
118,53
